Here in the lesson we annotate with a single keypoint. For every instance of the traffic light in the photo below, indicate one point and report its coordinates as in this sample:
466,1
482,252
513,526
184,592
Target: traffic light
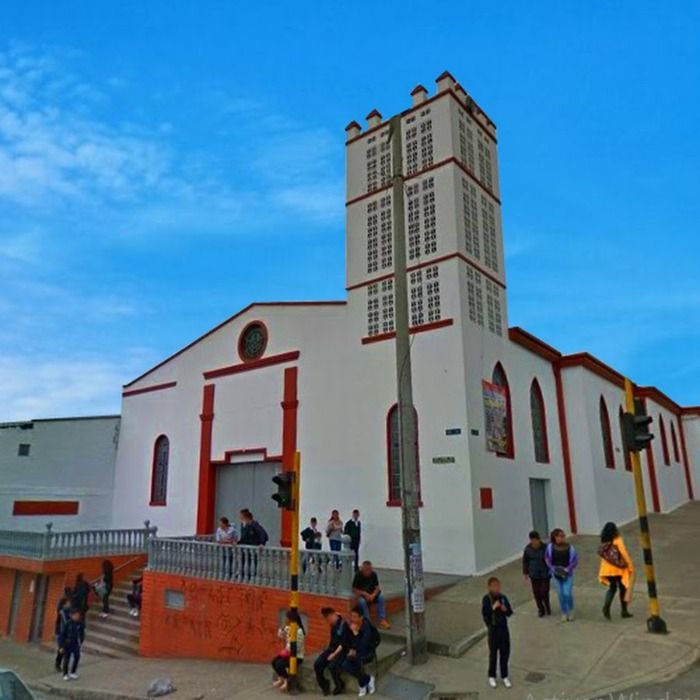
285,490
636,428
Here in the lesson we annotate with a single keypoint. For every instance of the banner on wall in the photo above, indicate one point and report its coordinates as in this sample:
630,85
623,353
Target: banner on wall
496,417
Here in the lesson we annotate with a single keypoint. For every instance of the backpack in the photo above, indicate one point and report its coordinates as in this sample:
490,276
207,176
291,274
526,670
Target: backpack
261,533
611,553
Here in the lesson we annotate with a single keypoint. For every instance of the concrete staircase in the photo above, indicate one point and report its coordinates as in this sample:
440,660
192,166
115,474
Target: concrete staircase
116,636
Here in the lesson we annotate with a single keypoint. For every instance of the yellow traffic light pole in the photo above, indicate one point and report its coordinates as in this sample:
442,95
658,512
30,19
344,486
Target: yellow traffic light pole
293,681
655,623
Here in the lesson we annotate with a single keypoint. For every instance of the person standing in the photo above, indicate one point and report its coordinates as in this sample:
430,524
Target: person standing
253,533
311,536
70,641
80,594
616,569
333,656
334,531
280,663
495,611
535,571
226,536
62,617
107,585
353,529
562,560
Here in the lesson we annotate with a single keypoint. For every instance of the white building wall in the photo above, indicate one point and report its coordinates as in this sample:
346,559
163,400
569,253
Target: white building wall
691,428
69,460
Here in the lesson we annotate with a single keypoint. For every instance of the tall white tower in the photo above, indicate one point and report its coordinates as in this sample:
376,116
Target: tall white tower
453,216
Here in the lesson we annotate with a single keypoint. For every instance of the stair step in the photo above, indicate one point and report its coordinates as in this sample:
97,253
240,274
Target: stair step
128,634
97,649
116,617
96,639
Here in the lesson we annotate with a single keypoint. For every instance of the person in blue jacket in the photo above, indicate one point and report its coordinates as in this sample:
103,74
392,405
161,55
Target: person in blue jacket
62,616
70,640
363,647
495,610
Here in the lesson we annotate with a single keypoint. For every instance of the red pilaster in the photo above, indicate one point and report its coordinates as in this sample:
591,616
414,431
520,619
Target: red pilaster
207,476
686,461
565,452
290,405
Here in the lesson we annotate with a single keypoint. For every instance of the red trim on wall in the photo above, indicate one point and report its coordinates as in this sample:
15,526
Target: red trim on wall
367,340
245,359
434,261
248,452
149,389
593,364
533,344
691,411
486,498
290,407
625,454
207,476
686,462
674,442
566,454
651,392
45,507
252,364
446,161
256,304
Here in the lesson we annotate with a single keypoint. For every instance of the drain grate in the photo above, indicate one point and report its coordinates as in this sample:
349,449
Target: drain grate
471,695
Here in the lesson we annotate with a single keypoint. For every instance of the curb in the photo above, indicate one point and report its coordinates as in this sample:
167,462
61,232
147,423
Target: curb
462,646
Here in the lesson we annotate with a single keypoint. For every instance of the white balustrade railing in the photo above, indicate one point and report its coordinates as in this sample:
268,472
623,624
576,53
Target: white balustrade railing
81,543
327,573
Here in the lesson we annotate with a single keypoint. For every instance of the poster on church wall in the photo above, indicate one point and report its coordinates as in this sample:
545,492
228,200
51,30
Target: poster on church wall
496,418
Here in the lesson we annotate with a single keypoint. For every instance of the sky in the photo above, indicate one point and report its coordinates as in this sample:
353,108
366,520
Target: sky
163,164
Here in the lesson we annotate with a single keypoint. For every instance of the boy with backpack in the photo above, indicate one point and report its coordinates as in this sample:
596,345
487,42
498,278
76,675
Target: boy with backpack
69,642
363,649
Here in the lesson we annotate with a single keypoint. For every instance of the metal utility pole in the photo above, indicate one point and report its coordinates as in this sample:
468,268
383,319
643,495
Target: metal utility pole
416,642
636,437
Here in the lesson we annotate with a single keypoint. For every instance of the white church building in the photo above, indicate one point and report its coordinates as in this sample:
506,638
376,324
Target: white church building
511,433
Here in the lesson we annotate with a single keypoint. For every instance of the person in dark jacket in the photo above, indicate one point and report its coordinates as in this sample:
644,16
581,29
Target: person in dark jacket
495,610
252,532
353,529
333,656
80,595
361,652
311,536
134,598
71,639
62,616
107,585
536,571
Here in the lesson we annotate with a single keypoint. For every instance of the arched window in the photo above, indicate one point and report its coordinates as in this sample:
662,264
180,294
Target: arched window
674,442
626,454
664,442
393,438
606,433
159,479
499,378
539,423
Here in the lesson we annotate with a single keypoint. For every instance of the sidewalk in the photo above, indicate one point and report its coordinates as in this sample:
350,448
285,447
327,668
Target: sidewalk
582,659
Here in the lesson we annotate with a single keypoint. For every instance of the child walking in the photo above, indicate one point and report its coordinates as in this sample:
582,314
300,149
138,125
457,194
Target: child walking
71,639
496,609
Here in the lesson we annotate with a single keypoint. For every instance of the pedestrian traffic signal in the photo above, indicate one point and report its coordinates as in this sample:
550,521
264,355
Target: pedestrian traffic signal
285,490
636,429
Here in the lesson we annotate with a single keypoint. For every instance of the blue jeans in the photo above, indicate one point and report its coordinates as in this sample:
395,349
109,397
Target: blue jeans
379,602
565,591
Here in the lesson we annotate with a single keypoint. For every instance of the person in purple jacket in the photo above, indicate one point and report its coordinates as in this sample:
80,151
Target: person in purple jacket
561,559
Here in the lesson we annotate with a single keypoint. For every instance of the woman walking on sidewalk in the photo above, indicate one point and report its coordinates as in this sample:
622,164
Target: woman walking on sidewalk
616,569
562,560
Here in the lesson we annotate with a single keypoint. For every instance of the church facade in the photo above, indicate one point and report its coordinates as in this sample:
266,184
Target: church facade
511,433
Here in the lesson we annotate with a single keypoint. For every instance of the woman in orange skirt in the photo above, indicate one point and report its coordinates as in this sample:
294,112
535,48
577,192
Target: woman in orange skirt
616,569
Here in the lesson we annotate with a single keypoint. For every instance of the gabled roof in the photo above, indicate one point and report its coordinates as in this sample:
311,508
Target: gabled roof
255,304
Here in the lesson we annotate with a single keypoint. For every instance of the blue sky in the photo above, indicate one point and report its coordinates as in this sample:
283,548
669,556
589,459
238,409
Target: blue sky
163,164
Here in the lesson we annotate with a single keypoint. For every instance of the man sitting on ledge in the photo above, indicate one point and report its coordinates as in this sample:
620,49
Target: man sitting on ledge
365,587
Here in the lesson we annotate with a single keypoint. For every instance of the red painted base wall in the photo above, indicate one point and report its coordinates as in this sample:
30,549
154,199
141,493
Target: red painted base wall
225,621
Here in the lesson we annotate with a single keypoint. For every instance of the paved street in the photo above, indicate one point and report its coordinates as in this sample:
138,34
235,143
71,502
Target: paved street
584,659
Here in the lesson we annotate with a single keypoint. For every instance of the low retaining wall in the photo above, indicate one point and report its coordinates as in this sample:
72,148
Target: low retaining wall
197,618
